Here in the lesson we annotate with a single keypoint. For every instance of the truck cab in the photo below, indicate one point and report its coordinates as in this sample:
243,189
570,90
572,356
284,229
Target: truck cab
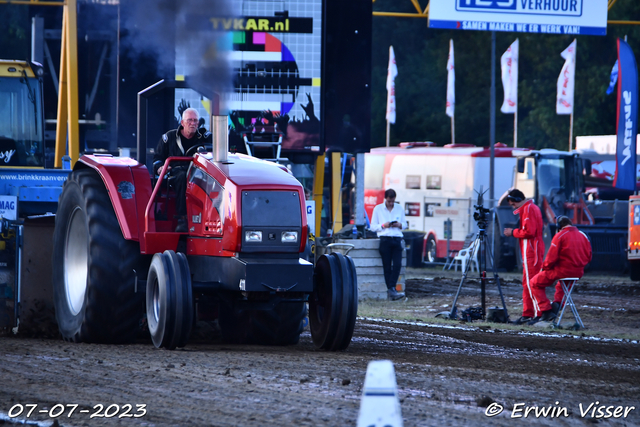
555,181
21,116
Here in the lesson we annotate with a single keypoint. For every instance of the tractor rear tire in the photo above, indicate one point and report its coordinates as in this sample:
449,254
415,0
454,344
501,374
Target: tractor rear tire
281,325
333,306
169,301
94,267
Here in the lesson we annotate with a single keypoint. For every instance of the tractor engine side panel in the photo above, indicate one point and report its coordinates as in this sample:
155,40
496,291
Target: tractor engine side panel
129,186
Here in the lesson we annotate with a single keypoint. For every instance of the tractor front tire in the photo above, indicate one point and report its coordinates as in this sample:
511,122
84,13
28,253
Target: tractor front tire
170,311
333,306
93,266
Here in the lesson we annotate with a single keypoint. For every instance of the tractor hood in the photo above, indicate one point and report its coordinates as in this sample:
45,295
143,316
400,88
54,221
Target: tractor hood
246,171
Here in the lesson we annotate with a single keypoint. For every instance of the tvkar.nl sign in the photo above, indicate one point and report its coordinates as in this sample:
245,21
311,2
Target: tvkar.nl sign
576,17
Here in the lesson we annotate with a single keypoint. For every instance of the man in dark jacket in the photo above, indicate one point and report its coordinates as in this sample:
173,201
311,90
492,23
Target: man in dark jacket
177,142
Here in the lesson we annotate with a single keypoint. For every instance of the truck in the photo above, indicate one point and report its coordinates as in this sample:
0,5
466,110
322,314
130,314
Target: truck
555,180
436,185
633,242
28,194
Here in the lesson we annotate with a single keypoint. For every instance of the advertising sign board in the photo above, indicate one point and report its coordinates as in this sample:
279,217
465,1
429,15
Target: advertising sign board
576,17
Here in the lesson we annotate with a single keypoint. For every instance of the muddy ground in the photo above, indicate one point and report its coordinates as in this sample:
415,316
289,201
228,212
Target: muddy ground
449,373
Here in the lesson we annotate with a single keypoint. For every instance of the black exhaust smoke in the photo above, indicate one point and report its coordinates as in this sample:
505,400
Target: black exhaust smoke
181,30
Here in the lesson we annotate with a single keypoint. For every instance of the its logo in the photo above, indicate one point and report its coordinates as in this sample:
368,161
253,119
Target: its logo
7,205
6,155
476,5
628,125
196,219
126,190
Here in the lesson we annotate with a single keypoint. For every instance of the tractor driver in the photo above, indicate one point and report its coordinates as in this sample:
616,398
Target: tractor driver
177,142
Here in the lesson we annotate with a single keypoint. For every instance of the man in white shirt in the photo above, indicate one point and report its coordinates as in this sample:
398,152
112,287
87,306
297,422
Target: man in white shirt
388,220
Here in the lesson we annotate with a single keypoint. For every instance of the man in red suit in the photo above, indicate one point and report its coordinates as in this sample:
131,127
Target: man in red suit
569,253
531,247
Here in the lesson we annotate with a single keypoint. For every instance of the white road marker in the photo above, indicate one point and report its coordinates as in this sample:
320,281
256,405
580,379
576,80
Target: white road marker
380,406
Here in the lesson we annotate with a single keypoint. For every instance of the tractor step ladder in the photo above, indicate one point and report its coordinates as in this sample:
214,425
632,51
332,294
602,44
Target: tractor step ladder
270,137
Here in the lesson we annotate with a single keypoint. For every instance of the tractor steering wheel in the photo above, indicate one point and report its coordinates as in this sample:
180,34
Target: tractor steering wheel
192,150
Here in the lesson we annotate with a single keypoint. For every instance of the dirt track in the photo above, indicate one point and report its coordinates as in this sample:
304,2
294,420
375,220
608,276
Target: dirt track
446,374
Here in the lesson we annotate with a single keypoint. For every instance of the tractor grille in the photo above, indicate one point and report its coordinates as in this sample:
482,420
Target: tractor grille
271,213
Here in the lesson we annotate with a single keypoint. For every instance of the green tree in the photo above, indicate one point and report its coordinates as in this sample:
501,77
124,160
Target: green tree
15,37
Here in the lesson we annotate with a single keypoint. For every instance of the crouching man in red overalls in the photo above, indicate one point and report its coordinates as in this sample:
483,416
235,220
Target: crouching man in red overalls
569,253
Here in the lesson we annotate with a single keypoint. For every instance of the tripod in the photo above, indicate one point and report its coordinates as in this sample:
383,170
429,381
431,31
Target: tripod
481,248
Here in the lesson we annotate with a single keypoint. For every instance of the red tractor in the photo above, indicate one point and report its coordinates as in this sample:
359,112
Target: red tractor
239,261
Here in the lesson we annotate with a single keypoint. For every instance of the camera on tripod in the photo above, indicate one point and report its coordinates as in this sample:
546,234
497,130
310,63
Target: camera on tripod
481,214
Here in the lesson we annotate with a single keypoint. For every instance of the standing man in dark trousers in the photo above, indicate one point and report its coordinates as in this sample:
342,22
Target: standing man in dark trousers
388,221
177,142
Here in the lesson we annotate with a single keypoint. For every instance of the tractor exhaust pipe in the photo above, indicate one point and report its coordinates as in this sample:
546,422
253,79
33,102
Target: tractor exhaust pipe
220,134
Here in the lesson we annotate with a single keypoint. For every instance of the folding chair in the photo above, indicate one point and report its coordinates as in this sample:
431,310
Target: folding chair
466,255
568,283
451,256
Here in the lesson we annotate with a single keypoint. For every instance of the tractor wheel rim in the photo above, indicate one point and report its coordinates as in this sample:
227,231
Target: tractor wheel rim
76,260
156,301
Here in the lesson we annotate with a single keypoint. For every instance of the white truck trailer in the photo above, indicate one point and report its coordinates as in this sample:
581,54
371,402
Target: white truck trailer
437,184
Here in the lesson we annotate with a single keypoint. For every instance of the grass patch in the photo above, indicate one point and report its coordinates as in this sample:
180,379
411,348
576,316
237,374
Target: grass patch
425,309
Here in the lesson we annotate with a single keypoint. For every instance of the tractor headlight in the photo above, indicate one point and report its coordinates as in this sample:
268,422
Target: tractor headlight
289,236
253,236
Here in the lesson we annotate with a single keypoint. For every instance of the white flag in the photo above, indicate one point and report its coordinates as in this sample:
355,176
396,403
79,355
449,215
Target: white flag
509,64
451,82
567,80
392,72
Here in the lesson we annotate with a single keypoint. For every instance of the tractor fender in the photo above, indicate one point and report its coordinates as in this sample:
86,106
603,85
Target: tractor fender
129,186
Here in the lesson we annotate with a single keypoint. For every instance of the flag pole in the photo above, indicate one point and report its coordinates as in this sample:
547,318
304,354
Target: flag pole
515,114
453,131
571,132
573,106
515,128
388,129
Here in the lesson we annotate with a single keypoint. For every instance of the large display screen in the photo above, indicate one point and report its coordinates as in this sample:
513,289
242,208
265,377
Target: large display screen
274,52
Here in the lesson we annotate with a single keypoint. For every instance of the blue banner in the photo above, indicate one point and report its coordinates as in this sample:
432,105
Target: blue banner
627,118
